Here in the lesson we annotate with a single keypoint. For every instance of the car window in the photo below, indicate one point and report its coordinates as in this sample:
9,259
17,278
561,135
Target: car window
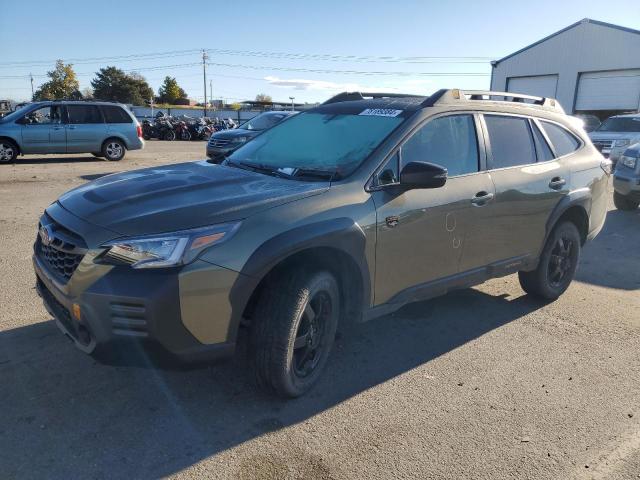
542,147
447,141
389,173
264,121
44,115
511,141
114,114
563,142
83,114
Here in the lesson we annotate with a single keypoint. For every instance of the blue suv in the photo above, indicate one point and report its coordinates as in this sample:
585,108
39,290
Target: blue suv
104,129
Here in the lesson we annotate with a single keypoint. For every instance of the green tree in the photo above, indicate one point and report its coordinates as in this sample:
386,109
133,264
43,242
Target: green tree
62,84
170,92
111,83
263,97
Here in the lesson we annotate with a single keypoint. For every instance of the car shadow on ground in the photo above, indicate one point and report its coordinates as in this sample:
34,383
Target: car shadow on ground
612,258
33,160
66,415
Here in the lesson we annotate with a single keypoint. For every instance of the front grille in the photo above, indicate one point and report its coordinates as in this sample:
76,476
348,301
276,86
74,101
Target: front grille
61,251
61,262
603,144
219,142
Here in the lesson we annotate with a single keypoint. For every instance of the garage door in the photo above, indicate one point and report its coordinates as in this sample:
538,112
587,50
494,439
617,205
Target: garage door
613,90
540,85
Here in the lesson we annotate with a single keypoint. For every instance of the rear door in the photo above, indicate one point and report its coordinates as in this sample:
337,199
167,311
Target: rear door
86,129
529,182
421,232
42,130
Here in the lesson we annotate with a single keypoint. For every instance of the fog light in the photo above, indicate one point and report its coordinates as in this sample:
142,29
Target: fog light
75,309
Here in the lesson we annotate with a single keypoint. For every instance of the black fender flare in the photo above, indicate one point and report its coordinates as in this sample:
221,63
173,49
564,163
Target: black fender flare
581,198
341,234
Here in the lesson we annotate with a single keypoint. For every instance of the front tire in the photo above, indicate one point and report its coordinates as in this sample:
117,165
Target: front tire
113,150
8,151
169,135
623,202
557,264
292,331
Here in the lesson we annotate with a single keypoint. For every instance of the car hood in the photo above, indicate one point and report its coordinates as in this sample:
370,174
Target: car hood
236,132
180,196
604,135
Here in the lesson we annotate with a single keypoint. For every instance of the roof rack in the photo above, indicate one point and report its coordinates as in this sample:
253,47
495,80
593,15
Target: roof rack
349,96
456,96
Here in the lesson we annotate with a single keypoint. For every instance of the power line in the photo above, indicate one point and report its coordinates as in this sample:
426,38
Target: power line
261,54
352,58
135,56
351,72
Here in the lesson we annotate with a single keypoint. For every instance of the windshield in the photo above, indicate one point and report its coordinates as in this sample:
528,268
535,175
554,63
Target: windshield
620,124
17,113
264,121
335,143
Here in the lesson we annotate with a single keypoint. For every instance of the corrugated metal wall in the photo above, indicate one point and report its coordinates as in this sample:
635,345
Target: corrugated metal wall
588,47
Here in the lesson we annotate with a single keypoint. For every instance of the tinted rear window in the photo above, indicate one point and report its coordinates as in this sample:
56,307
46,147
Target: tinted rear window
83,114
511,141
542,147
114,114
563,142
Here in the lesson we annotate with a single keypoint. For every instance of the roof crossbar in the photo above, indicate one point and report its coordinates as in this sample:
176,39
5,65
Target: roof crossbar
455,95
350,96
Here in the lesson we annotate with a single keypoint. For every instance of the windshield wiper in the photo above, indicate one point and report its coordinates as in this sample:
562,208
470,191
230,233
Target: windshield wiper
315,172
260,168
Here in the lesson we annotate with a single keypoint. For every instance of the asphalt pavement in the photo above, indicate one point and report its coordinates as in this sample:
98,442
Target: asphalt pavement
484,383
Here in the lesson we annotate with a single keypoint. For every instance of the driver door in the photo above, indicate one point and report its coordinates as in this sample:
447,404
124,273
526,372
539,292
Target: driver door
421,232
43,131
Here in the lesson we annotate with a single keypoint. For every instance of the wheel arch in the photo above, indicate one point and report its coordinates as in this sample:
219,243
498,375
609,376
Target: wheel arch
337,245
575,207
116,137
12,140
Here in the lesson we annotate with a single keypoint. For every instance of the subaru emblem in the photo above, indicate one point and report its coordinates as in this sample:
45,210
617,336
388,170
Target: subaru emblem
45,235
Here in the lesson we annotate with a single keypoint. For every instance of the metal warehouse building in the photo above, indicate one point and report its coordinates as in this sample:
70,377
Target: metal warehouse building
590,67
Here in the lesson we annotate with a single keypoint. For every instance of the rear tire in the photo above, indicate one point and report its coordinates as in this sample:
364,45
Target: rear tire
623,202
8,151
292,331
557,264
113,150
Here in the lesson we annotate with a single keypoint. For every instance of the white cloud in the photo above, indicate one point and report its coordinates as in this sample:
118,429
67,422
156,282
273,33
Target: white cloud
307,84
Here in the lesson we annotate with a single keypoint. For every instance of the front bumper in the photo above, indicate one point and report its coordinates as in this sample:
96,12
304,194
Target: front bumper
163,306
219,154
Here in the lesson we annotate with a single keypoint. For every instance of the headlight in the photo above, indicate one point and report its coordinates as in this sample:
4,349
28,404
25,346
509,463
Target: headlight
622,142
239,139
166,250
628,161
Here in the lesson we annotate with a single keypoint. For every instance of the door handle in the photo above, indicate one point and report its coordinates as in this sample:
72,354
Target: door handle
481,199
557,183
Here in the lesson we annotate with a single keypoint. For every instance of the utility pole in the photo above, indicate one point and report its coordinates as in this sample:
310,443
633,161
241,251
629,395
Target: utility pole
211,93
204,76
31,77
293,109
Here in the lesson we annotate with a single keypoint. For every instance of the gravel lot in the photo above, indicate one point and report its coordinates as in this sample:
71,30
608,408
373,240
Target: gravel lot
483,383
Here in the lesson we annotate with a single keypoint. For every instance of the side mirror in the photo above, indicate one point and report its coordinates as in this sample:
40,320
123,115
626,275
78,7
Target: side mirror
423,175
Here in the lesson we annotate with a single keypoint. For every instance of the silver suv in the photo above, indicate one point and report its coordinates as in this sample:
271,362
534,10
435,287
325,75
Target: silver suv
615,135
102,128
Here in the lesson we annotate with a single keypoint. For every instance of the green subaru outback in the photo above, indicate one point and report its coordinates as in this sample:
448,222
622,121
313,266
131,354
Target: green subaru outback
344,212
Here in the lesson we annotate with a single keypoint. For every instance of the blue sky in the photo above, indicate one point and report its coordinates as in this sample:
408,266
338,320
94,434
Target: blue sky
249,39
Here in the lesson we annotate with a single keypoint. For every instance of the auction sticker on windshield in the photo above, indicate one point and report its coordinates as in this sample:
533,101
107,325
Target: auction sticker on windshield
381,112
